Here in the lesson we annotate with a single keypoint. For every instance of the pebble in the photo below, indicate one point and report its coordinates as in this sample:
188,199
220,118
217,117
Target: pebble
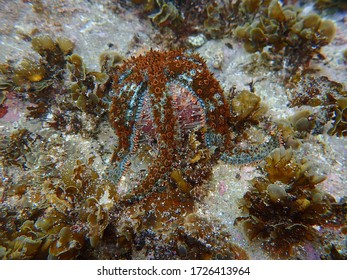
197,41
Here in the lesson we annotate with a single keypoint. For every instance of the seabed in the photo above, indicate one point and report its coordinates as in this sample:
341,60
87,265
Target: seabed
57,197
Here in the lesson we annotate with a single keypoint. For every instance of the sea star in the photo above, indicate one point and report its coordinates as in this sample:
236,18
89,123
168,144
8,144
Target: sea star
172,101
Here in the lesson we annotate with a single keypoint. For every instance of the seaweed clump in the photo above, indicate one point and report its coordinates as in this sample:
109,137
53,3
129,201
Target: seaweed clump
5,85
284,207
52,205
162,13
59,88
253,134
50,216
176,20
321,92
84,89
298,127
283,35
15,148
330,5
42,79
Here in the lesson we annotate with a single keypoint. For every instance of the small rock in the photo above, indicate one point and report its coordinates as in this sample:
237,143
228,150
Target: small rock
197,41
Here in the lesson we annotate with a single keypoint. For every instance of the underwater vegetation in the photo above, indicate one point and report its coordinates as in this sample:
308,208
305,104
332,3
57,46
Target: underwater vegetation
54,216
330,5
284,207
279,33
41,79
175,15
329,95
52,96
167,123
173,122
